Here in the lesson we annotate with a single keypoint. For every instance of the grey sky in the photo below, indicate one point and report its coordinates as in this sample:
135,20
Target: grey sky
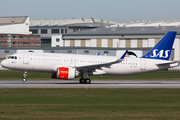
119,10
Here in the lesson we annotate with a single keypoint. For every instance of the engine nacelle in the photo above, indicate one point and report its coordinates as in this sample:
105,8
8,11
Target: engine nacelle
65,73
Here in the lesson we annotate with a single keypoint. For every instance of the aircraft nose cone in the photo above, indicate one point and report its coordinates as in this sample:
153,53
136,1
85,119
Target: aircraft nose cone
3,63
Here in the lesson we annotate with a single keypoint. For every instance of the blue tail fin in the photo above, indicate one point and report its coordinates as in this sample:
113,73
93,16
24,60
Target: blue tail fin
162,49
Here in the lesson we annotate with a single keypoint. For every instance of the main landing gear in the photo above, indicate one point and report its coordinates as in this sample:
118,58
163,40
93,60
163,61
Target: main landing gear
87,80
25,75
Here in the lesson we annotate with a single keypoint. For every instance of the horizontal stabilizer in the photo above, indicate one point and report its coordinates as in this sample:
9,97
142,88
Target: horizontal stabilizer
166,62
170,64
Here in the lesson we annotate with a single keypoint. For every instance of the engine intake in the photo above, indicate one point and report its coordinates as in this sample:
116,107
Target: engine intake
65,73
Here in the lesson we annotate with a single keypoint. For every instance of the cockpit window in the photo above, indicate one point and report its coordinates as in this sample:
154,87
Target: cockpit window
12,57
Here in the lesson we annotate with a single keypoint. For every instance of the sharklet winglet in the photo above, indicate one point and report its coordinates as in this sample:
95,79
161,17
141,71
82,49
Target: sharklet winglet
122,57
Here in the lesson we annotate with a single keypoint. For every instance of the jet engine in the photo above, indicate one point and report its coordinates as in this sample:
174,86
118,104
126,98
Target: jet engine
65,73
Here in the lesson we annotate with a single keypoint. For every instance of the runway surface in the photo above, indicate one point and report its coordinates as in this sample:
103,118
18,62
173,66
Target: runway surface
94,84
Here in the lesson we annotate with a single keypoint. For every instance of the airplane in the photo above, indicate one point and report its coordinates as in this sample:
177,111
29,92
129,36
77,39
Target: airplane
69,66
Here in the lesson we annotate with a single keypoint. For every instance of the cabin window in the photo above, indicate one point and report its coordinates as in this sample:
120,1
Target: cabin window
12,57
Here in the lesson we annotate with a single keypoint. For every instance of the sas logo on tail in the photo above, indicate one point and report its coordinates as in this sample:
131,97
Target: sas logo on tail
157,53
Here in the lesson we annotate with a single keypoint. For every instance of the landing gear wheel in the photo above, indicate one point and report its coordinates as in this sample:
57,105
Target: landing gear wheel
82,80
24,79
25,75
87,81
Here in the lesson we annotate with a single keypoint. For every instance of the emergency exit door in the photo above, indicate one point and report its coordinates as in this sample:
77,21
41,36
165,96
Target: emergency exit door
143,65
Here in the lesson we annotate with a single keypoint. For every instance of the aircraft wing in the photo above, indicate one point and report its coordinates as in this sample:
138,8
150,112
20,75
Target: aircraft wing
98,66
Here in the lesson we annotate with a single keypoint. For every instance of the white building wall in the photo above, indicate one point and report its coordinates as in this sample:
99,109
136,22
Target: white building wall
115,43
144,43
176,48
139,53
151,42
54,43
88,43
104,43
122,43
77,43
22,28
67,43
133,43
93,42
120,52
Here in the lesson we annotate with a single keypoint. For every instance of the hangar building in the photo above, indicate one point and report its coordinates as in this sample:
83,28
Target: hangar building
49,28
138,38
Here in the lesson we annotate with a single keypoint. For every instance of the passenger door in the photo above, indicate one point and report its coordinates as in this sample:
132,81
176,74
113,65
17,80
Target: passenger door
25,58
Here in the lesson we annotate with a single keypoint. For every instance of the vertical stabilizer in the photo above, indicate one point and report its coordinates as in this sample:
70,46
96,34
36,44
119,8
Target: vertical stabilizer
162,49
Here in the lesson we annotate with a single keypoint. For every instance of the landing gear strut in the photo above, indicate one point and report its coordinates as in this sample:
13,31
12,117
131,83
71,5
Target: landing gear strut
87,80
25,75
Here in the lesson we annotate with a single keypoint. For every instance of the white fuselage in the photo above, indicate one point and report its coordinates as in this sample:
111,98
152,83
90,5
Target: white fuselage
49,62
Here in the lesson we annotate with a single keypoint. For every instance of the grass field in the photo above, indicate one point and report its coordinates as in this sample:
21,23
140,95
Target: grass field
159,75
92,104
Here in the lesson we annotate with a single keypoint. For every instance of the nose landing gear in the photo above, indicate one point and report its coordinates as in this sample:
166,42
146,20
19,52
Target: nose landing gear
25,75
